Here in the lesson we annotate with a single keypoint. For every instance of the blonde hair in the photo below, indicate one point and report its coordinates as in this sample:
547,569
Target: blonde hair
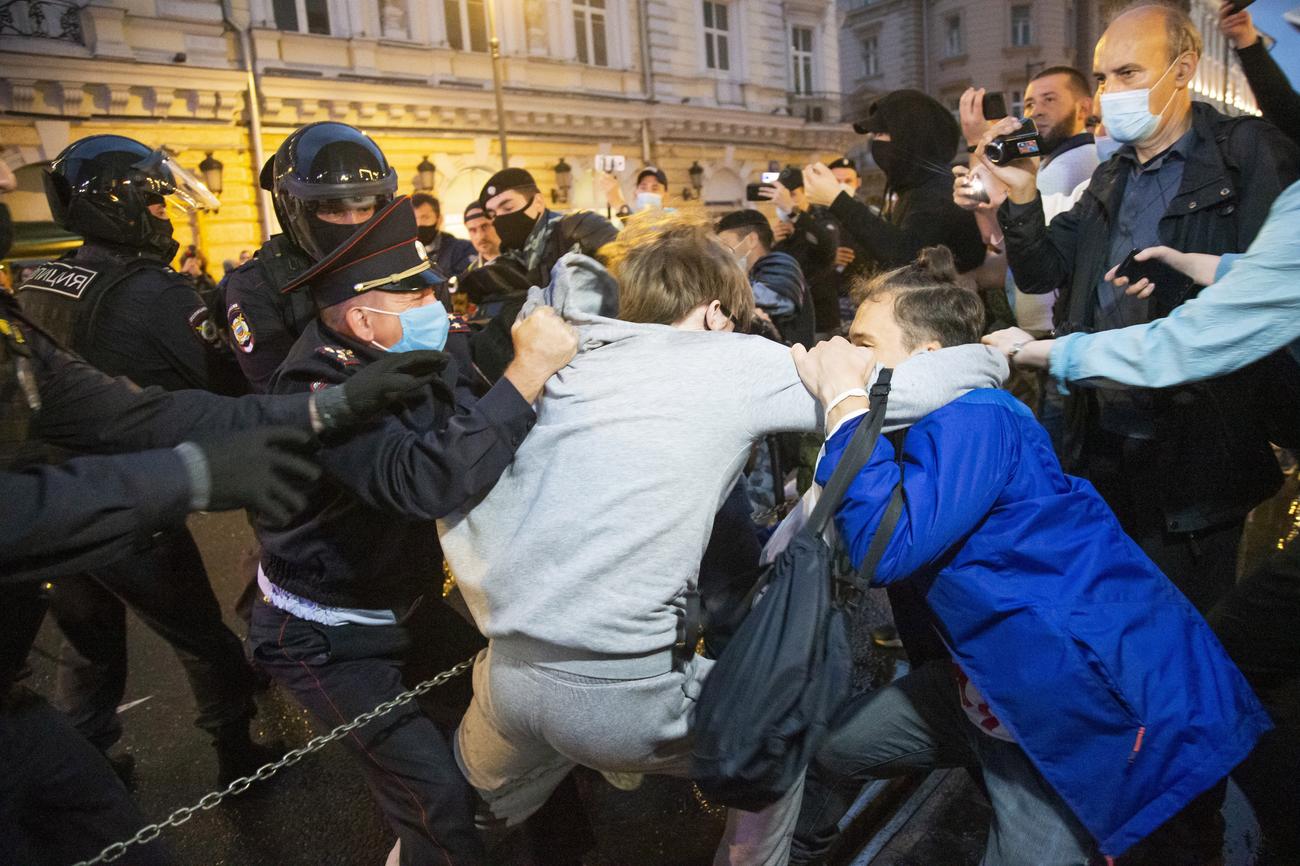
669,263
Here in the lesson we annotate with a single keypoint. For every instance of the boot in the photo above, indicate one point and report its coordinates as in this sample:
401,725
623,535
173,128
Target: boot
238,755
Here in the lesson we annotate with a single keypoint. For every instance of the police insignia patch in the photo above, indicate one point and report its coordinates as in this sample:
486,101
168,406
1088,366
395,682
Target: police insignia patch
342,357
458,324
239,329
201,321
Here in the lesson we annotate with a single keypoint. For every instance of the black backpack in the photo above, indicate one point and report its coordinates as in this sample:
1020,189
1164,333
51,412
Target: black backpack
765,707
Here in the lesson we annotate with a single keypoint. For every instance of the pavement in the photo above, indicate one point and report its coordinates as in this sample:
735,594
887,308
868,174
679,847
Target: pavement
318,812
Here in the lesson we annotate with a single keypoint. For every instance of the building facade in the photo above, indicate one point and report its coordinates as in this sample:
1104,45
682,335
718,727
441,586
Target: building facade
728,85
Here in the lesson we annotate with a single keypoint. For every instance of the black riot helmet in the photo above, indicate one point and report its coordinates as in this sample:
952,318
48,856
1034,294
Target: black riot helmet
102,187
323,178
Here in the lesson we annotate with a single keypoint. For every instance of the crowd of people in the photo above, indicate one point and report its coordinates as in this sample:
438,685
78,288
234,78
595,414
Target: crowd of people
593,425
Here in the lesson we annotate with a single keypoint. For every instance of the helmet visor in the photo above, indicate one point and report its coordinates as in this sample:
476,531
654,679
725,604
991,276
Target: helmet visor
161,176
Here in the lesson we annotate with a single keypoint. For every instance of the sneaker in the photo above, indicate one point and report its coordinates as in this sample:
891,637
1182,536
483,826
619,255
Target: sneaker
886,636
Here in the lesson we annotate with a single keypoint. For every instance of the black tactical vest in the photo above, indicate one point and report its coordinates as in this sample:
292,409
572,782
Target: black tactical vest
64,296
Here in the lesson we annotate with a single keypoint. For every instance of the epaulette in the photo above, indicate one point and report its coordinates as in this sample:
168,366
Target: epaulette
338,357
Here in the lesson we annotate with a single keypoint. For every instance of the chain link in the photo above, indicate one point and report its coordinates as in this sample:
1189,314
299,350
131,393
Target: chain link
208,801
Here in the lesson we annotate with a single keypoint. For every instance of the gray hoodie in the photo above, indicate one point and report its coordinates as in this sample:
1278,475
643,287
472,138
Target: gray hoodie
586,546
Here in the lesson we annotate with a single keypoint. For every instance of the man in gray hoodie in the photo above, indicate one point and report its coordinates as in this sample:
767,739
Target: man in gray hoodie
578,563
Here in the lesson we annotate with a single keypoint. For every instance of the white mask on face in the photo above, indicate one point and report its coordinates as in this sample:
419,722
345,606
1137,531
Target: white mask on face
647,201
848,188
1128,116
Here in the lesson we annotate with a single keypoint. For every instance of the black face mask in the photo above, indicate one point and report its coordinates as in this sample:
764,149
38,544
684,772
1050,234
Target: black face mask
330,236
886,156
513,229
427,235
160,237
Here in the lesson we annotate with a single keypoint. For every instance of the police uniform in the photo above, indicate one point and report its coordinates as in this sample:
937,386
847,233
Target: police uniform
129,314
351,612
452,256
59,802
262,320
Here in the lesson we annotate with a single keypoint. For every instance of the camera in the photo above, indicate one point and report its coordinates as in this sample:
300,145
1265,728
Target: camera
791,178
1021,144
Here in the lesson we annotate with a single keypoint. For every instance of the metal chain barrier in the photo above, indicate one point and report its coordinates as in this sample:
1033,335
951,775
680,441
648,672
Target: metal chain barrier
151,831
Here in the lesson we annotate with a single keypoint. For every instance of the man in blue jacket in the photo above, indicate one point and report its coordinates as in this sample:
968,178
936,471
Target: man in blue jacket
1088,689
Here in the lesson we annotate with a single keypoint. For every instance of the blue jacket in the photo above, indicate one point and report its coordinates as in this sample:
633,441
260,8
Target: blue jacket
1103,672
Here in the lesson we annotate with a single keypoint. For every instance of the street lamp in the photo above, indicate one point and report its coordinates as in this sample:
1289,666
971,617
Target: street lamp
494,43
696,173
211,169
426,173
563,182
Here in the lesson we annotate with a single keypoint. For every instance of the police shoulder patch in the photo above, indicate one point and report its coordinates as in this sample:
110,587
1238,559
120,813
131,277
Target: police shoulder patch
458,324
337,356
201,322
61,278
239,328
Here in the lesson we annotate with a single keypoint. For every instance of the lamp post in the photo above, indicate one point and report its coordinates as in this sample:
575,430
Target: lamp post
211,169
426,173
696,174
563,182
494,43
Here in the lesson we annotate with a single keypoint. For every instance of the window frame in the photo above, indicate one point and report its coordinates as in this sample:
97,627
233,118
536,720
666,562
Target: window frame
465,36
587,11
1027,21
949,51
871,53
333,20
809,75
712,34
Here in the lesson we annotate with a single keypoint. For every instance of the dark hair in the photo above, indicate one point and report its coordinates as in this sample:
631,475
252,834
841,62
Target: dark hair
1078,81
748,222
928,302
420,199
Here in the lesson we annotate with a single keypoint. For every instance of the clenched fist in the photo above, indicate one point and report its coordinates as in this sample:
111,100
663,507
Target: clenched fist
544,344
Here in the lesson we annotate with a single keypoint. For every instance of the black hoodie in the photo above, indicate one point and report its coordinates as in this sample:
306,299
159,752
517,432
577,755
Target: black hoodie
919,210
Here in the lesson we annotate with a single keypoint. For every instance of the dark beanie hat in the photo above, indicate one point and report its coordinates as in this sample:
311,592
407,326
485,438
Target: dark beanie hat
742,219
844,162
504,180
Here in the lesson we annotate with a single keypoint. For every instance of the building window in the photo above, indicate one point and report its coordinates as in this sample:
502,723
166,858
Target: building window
717,35
466,24
871,56
954,44
801,55
1016,103
303,16
1022,26
589,32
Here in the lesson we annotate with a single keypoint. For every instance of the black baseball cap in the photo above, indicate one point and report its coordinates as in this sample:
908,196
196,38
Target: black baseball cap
843,162
658,173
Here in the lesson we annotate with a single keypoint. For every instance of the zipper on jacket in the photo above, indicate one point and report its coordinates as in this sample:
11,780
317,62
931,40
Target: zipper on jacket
1137,744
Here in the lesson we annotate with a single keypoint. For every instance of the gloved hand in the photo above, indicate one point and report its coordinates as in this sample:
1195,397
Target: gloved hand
267,470
376,386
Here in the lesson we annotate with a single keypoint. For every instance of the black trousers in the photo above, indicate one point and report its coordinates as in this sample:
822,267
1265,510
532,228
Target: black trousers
339,672
1259,625
167,587
1202,564
60,802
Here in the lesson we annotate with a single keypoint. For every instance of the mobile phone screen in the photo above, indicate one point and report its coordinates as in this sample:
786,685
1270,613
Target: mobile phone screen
770,176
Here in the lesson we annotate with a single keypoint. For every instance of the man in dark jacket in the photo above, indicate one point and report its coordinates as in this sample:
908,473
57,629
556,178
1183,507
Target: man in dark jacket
780,290
1278,101
349,613
1181,467
914,139
533,238
450,255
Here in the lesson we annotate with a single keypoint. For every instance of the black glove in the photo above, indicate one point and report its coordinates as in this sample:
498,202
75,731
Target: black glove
267,470
392,379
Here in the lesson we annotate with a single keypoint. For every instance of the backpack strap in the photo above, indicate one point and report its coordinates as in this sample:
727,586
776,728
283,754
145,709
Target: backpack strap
884,530
855,456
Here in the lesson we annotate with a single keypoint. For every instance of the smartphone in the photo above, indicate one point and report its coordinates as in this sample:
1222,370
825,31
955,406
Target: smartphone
769,177
1166,279
995,107
751,192
1238,5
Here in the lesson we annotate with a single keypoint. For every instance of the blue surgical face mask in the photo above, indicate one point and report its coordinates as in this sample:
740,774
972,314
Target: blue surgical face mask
422,328
1128,116
647,201
1106,147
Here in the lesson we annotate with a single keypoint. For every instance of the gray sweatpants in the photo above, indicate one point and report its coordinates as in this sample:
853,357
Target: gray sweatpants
530,723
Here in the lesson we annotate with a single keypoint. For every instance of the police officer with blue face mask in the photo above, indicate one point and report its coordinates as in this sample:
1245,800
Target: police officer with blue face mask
350,613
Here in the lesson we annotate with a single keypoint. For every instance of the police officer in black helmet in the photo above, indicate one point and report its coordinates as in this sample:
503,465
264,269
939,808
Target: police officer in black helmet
116,303
325,180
